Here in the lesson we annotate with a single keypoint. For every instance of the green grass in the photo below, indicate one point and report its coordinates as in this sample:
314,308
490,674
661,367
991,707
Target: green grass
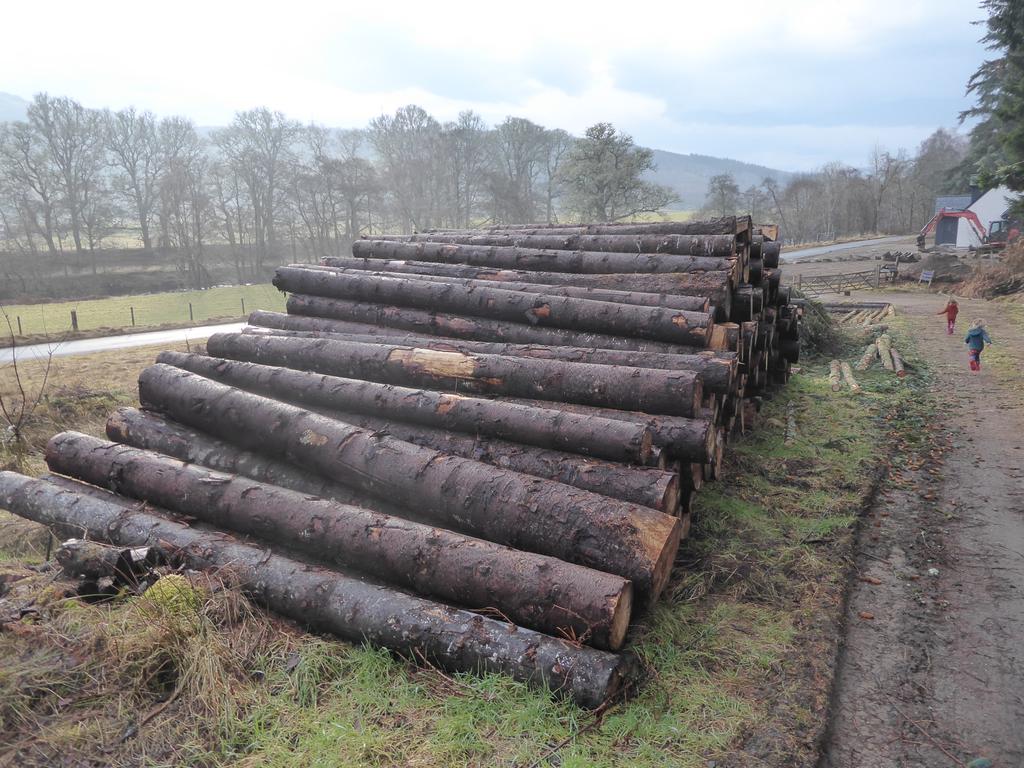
151,309
738,649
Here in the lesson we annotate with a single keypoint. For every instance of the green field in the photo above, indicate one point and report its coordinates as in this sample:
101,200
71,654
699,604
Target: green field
151,309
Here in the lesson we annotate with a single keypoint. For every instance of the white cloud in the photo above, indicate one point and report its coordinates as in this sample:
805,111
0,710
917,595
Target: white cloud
559,63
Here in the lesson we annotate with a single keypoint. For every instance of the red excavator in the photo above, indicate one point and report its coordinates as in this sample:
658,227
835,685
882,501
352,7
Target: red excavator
995,238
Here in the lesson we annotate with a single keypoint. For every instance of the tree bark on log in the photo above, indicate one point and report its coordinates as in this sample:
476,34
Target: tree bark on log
771,254
577,251
544,427
835,376
603,477
869,357
499,505
897,362
723,225
639,298
94,560
638,485
462,326
676,393
718,369
848,378
142,429
330,601
716,286
685,439
884,345
531,590
674,326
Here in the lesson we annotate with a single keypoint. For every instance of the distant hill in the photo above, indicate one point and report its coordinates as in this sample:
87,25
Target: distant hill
12,107
688,175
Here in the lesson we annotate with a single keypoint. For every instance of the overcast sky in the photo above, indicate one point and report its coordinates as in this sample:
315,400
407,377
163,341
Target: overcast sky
789,84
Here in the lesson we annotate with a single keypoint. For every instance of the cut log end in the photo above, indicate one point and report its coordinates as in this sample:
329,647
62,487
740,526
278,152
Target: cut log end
621,609
668,544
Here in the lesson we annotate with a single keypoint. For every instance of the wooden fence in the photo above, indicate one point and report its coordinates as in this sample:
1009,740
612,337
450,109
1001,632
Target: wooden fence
843,283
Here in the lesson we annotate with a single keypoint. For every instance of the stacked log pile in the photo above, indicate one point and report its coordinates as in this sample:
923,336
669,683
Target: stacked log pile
480,447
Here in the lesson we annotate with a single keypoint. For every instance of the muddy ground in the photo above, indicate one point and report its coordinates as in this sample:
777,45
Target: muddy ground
932,669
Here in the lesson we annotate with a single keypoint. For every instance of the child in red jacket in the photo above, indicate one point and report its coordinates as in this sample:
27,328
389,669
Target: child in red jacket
951,311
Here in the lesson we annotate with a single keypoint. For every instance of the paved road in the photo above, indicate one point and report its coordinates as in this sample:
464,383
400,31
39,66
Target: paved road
807,253
106,343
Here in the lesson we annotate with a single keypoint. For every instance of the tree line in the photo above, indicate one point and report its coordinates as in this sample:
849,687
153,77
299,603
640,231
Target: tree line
72,178
895,193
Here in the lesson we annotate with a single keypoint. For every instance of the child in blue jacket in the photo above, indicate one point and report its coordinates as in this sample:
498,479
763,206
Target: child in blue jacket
976,340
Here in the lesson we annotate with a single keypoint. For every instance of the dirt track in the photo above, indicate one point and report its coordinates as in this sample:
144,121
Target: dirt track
933,668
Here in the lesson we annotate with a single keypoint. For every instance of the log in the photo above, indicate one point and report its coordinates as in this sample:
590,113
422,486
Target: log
545,427
848,378
95,560
638,485
835,377
884,345
331,601
869,357
676,393
771,254
897,362
369,267
675,326
142,429
531,590
680,438
495,504
559,253
716,286
462,326
724,225
718,369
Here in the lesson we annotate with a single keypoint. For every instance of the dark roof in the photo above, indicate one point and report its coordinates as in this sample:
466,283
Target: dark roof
953,202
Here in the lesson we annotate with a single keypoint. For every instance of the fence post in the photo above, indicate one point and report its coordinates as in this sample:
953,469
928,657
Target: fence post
132,310
191,317
74,320
19,326
878,275
799,281
243,306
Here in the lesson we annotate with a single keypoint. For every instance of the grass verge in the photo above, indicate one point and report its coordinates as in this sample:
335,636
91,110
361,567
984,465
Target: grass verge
740,650
53,320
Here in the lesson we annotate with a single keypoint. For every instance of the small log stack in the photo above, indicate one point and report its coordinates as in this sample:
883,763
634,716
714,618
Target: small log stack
487,441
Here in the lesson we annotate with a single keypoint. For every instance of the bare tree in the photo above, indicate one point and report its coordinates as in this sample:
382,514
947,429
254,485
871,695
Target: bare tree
73,136
408,147
132,141
30,182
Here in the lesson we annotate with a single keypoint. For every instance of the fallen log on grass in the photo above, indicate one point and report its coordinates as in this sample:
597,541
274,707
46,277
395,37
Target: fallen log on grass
897,362
835,378
884,345
674,326
676,393
531,590
95,560
869,357
499,505
334,602
718,370
848,378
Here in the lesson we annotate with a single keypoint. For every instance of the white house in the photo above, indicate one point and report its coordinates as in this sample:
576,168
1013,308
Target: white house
991,206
